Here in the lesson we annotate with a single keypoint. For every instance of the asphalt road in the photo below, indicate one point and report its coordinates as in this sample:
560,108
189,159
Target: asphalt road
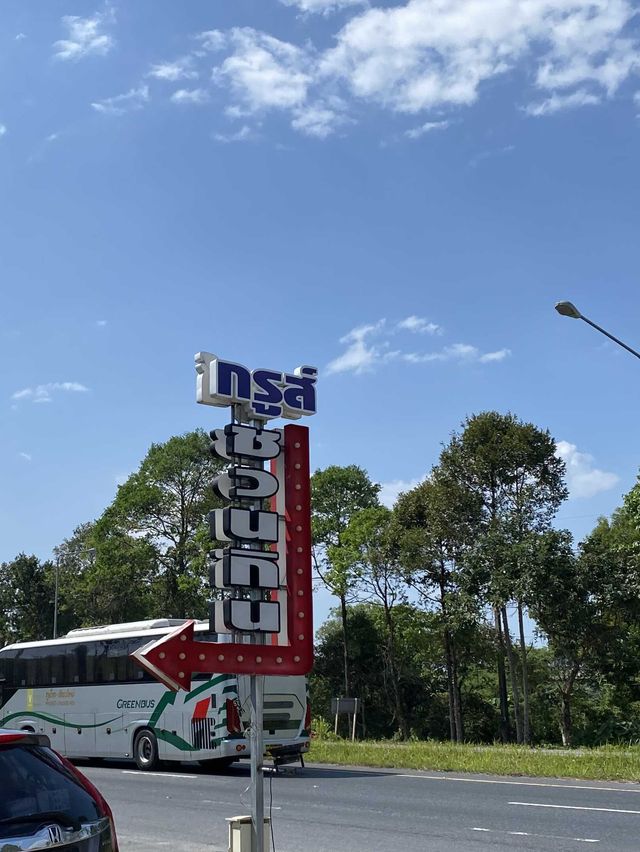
322,809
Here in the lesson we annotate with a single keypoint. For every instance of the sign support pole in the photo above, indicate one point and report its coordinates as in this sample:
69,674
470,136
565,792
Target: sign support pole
257,731
257,773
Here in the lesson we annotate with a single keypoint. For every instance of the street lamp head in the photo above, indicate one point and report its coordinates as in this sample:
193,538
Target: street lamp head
568,309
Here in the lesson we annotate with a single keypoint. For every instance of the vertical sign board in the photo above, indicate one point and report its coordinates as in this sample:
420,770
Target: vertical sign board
265,565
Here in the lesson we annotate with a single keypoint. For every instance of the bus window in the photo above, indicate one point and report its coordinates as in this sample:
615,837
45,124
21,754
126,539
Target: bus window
19,670
6,668
118,659
101,663
57,666
70,664
88,654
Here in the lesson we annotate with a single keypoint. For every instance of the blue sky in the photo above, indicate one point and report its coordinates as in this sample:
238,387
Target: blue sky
397,192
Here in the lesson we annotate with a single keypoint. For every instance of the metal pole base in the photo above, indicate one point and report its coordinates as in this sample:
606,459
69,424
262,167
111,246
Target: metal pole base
240,834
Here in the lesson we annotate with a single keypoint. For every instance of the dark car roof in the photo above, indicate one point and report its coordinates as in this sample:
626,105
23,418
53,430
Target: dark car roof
10,737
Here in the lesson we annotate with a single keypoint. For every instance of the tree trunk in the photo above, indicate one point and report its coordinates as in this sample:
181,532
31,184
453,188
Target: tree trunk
513,675
173,608
505,727
457,695
345,646
450,687
526,725
455,708
395,676
345,654
566,723
566,694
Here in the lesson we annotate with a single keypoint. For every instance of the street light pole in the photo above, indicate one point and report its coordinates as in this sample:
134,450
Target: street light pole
567,309
55,601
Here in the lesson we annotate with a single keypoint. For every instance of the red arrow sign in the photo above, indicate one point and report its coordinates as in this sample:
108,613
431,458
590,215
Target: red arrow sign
174,658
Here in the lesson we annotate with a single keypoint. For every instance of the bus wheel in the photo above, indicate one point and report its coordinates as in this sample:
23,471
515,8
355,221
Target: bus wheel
217,764
145,749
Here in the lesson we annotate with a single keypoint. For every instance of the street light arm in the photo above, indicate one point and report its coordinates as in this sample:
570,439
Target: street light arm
610,336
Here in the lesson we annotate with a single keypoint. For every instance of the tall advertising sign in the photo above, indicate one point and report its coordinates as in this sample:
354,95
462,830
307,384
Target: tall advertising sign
264,565
262,570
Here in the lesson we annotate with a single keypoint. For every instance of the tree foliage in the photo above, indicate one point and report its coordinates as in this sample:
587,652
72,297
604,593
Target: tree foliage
163,506
26,599
337,493
433,594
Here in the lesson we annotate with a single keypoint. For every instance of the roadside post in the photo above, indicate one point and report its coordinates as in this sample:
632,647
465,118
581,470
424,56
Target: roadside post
350,707
264,566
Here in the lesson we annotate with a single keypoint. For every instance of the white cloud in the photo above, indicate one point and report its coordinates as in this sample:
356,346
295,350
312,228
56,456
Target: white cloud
3,130
21,36
173,71
417,132
241,135
322,6
190,96
101,323
557,102
264,72
419,57
25,456
359,357
499,355
317,120
424,54
86,36
120,104
419,325
212,40
43,393
390,491
461,352
368,349
583,479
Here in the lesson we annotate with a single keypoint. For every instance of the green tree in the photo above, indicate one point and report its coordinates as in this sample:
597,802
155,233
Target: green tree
106,576
512,469
566,601
26,599
423,684
164,505
435,524
367,552
337,493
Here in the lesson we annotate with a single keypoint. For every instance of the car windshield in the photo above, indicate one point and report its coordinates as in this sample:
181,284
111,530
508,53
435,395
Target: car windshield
35,784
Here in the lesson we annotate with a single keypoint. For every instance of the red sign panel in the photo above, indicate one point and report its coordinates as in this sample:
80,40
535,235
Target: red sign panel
174,658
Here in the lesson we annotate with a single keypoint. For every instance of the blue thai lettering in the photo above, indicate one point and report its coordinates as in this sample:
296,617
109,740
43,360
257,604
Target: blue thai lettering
267,393
232,381
300,392
261,394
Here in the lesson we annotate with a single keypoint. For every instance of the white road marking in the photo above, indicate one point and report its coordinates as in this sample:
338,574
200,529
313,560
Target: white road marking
573,808
545,836
520,783
158,774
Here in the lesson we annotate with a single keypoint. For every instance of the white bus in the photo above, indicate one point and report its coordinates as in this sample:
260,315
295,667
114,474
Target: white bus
86,693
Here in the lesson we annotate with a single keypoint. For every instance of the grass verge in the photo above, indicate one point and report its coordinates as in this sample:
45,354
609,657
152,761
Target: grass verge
609,763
